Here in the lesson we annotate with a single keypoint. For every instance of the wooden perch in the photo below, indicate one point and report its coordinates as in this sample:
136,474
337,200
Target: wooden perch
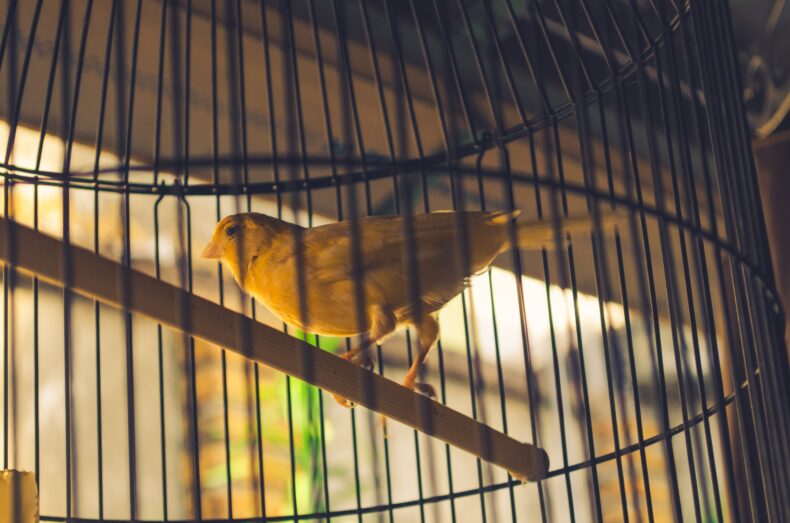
96,277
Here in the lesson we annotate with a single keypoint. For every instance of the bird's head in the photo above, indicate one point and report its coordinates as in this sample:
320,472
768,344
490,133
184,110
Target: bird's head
238,238
235,236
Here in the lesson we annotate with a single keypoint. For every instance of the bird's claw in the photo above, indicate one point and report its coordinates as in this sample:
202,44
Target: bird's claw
362,358
425,389
383,424
344,402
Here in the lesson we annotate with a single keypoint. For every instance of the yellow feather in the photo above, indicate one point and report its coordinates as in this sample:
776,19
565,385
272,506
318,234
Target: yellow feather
329,281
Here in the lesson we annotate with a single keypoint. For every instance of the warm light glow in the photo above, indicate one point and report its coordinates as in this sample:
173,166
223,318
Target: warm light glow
506,306
453,336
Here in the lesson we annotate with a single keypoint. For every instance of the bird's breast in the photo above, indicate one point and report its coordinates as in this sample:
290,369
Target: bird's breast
320,308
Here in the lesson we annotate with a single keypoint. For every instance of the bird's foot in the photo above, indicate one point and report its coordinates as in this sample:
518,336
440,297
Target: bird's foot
344,402
383,424
361,358
426,389
364,360
357,357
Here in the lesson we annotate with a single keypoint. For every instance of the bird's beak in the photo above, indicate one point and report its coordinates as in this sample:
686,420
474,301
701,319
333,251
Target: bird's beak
212,251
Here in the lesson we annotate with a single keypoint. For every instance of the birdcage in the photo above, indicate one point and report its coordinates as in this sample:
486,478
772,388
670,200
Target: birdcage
141,384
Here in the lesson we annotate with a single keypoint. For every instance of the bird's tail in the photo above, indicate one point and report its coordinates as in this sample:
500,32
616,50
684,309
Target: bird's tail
537,234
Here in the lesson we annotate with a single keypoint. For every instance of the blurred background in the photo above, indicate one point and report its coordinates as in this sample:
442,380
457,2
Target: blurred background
168,115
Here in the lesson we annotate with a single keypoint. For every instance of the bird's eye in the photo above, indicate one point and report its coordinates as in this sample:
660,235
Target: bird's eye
231,231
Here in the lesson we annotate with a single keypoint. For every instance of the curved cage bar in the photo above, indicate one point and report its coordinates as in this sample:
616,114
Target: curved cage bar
648,361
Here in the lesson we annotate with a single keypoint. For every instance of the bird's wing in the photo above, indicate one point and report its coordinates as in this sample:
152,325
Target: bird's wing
330,250
381,244
384,259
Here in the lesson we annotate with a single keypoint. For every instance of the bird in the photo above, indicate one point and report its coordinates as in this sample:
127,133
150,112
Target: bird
368,277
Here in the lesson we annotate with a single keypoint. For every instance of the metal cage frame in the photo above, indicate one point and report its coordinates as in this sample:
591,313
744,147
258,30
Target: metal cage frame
617,88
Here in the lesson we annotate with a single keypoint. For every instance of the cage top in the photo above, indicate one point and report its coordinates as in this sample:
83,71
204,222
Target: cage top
274,93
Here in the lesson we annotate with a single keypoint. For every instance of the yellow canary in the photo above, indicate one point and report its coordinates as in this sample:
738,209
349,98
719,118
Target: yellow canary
317,289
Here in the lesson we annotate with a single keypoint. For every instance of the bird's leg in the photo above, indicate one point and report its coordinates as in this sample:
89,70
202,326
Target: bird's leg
360,355
383,322
428,332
